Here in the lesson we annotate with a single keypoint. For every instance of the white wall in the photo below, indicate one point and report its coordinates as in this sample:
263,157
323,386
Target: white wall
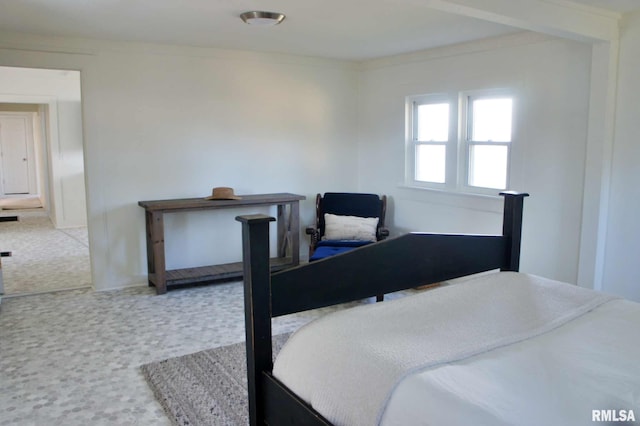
551,78
622,250
165,122
60,90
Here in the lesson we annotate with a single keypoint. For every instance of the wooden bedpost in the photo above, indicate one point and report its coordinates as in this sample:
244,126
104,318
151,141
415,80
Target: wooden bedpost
512,228
257,300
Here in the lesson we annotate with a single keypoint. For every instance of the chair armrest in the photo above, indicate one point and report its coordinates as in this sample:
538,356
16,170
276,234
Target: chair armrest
314,233
382,233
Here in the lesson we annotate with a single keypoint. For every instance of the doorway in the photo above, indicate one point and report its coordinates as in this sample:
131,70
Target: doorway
17,154
42,182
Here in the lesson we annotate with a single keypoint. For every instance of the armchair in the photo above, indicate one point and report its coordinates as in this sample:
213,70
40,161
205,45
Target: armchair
345,221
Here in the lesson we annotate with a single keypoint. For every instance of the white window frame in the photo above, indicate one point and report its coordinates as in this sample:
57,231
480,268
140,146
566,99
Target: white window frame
412,141
465,143
458,147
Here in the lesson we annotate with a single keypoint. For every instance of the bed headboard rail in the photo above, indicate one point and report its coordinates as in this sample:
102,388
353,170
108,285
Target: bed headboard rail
410,260
407,261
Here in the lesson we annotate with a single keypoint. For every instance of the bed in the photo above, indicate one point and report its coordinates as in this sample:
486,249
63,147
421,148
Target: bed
500,347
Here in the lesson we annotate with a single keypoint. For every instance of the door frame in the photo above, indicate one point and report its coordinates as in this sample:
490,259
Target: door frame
50,189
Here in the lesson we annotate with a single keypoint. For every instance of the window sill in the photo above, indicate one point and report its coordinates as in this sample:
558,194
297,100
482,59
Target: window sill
459,199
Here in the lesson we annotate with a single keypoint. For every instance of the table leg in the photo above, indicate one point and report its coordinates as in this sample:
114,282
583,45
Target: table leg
148,219
294,231
289,231
155,249
283,234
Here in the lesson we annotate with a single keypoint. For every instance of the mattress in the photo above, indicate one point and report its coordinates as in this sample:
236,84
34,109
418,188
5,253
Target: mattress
503,348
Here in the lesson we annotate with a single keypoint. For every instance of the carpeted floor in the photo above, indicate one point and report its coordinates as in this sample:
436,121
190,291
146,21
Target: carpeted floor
73,358
43,258
205,388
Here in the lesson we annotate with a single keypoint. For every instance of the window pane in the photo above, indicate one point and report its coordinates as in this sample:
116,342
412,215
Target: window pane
430,163
488,166
433,122
491,119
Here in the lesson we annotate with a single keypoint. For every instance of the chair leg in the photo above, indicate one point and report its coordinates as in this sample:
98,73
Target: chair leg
380,298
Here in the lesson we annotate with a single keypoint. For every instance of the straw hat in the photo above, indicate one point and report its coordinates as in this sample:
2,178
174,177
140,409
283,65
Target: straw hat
222,193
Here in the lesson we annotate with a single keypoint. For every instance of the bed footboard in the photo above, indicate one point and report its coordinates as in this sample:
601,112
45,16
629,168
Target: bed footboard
394,264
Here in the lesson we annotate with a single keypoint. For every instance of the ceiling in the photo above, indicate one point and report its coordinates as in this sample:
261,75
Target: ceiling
620,6
340,29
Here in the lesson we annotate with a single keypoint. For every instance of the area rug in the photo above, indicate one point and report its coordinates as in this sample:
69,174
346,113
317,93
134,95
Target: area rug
205,388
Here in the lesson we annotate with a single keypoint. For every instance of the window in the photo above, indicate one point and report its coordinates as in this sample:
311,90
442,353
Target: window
460,142
488,139
432,136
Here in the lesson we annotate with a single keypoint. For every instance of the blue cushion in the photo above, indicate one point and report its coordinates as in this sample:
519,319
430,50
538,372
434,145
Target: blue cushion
322,252
342,243
329,248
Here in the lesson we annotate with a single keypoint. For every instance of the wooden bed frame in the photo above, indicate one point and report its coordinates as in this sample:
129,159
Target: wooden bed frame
407,261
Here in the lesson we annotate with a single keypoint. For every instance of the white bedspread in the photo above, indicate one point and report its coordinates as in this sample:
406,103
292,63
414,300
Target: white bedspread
347,364
557,378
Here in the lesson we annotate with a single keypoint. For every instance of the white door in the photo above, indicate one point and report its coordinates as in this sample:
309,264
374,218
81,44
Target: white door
14,158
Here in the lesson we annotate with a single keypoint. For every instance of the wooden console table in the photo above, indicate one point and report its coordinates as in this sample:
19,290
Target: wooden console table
288,237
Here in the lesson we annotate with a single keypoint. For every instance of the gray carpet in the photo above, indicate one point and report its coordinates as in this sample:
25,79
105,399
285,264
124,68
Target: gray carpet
205,388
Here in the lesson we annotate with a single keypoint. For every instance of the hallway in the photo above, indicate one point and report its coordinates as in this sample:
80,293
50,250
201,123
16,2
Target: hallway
43,258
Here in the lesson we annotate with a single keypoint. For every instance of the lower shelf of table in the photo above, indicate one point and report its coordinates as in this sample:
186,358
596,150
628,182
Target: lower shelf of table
227,271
